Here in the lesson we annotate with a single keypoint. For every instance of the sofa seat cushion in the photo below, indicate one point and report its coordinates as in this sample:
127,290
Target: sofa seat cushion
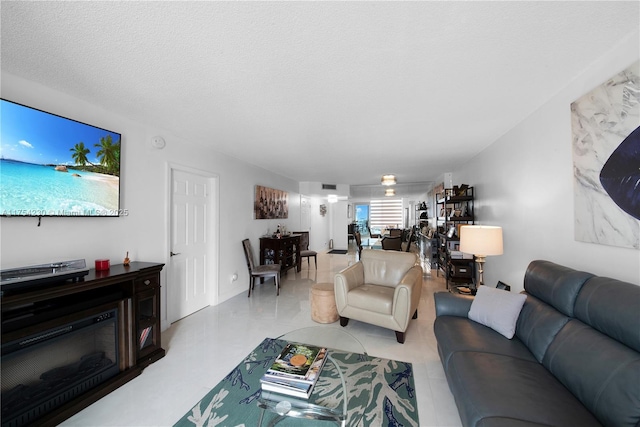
490,388
456,334
372,298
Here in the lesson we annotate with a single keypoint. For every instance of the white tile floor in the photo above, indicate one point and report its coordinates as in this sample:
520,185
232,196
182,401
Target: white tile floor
204,347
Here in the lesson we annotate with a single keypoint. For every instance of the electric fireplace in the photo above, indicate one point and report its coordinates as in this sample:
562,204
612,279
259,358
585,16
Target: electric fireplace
51,367
67,343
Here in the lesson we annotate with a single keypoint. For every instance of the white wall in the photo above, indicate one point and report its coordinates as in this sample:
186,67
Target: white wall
524,183
325,228
315,189
144,232
319,233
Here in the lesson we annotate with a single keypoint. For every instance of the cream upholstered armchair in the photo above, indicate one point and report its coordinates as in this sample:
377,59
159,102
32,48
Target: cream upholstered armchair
382,289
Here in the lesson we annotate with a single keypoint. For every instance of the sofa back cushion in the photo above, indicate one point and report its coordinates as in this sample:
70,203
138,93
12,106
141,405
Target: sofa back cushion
555,284
601,372
386,267
613,308
596,355
538,325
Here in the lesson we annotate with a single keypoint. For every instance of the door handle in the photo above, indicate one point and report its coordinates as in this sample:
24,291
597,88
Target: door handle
174,254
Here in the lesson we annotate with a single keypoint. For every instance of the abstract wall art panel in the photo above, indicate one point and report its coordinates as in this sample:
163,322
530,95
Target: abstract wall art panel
270,203
606,161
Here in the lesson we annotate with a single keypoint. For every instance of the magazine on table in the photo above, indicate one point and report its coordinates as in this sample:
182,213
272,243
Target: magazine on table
295,360
296,389
282,382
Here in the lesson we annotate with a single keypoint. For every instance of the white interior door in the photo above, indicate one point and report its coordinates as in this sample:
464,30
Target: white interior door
339,223
191,213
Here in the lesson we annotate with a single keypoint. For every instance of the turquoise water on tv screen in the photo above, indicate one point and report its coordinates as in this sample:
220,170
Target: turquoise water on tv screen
40,190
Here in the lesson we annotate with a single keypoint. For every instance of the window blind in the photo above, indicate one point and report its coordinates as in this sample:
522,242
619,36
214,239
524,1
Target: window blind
386,213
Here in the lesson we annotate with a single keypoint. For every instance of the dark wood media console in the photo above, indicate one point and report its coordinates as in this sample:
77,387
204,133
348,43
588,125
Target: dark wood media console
133,292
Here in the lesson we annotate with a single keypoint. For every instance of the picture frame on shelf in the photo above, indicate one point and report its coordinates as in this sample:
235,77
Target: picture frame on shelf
503,286
451,232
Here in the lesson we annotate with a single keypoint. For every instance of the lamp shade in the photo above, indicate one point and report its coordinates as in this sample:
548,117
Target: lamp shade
481,240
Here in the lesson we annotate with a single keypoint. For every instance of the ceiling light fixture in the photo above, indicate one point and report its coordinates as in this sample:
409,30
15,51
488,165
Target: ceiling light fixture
388,180
332,198
390,192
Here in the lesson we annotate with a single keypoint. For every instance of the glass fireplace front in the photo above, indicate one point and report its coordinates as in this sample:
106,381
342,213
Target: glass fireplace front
44,370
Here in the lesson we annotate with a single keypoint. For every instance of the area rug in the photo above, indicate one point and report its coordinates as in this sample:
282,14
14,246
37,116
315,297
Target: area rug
233,402
338,252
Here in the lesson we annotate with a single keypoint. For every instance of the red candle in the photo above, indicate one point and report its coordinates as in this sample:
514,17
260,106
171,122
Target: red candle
102,264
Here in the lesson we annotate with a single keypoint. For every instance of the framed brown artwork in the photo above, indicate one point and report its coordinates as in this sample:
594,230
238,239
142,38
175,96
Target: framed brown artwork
270,203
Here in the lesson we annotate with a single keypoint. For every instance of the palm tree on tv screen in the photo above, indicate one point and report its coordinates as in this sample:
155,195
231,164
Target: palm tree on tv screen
80,154
109,154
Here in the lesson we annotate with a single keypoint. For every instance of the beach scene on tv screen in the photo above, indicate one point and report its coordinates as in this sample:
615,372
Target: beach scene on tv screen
53,166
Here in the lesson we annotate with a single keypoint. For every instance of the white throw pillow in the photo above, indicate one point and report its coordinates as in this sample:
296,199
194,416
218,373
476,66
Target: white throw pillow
497,309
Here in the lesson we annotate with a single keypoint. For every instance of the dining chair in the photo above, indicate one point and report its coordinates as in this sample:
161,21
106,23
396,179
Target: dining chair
408,249
395,232
358,239
260,271
392,243
304,247
373,235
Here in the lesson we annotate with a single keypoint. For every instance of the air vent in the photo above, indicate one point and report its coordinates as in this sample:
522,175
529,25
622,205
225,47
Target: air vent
329,187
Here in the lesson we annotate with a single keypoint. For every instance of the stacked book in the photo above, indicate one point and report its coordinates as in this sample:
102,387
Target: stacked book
295,371
460,255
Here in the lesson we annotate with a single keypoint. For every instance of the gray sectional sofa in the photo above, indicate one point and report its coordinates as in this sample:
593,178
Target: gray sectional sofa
574,359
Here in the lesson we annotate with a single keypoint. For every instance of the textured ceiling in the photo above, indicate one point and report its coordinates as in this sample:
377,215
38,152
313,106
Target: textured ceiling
344,91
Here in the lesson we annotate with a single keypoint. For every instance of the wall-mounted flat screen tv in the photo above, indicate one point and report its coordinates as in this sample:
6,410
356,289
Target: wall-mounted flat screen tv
54,166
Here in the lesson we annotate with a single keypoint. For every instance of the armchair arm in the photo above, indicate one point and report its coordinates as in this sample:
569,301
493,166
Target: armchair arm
448,304
407,296
349,278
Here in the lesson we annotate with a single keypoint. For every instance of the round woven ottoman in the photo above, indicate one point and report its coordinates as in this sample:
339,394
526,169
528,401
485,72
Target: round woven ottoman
323,303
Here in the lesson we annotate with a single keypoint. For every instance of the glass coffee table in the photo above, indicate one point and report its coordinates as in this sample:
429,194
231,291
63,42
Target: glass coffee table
343,390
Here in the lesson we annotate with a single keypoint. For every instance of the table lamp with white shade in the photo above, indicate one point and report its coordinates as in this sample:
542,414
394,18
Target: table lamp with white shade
481,241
